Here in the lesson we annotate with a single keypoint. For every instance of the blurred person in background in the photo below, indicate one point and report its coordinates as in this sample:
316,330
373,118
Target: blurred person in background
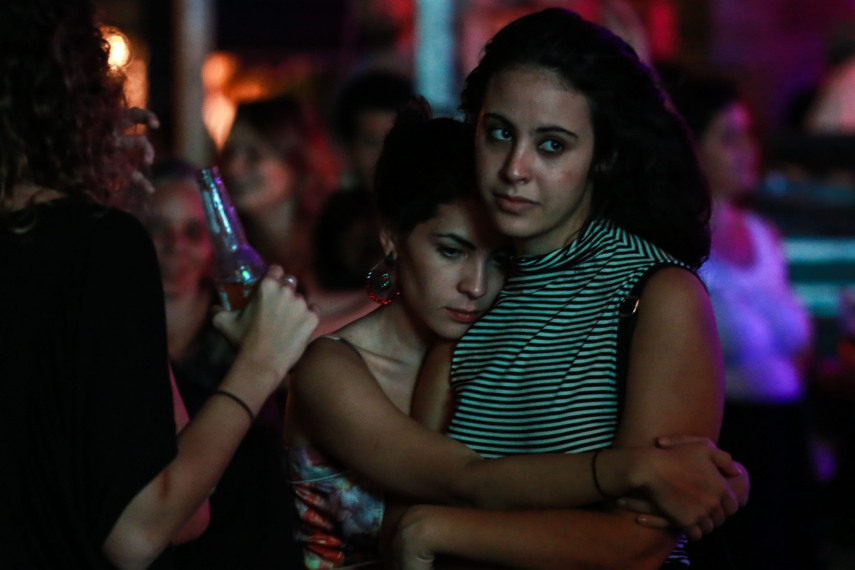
176,221
94,476
247,524
829,108
364,111
765,335
817,107
279,168
344,240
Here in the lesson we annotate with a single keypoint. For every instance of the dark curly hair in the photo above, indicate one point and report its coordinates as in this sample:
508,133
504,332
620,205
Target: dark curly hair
59,101
644,173
425,163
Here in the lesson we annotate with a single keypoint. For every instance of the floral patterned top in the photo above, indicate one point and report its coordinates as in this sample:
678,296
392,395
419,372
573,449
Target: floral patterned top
339,513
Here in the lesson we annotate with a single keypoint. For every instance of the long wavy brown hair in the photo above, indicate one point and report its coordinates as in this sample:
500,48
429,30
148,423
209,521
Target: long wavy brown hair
59,102
645,176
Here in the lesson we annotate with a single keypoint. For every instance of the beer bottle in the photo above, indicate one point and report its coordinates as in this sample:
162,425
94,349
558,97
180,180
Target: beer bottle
237,266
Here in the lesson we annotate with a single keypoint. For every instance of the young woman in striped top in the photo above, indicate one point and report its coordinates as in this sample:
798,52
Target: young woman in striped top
584,165
348,433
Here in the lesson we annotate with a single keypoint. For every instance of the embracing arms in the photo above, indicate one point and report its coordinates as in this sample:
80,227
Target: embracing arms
336,403
674,387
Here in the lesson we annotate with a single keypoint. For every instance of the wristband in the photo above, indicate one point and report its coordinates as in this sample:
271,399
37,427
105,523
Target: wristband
240,402
594,474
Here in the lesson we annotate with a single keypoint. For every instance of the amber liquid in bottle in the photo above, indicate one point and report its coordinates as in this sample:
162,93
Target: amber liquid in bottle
235,295
237,266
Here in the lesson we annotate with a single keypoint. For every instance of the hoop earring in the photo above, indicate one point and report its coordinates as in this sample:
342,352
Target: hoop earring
379,283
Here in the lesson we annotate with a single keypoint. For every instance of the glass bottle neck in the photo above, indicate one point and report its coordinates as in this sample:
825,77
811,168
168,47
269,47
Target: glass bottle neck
224,226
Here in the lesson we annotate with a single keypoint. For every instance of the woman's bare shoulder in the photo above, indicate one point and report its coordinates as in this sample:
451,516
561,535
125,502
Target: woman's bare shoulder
328,352
674,289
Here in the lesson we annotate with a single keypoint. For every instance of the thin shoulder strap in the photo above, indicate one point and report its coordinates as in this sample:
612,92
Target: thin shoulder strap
627,316
347,343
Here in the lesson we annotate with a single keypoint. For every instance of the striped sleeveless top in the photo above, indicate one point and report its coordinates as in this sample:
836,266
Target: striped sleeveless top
537,373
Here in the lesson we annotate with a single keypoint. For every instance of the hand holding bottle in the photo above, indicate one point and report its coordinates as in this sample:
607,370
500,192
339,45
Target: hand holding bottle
274,328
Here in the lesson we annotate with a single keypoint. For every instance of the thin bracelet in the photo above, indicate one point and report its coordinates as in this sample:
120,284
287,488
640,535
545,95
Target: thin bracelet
594,474
236,399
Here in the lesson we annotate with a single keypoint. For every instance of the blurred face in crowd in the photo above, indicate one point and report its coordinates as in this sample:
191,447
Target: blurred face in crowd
256,175
728,153
451,267
367,143
177,226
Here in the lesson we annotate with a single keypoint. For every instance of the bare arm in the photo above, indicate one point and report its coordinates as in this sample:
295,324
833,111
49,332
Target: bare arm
198,522
433,403
279,325
676,380
675,366
382,442
432,406
531,540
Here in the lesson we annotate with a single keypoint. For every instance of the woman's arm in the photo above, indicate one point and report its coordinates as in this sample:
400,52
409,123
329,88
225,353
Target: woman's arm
279,325
482,539
432,536
674,386
433,401
676,380
433,407
196,524
337,405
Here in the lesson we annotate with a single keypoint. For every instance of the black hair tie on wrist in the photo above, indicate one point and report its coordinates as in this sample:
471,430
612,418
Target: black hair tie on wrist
238,400
594,474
